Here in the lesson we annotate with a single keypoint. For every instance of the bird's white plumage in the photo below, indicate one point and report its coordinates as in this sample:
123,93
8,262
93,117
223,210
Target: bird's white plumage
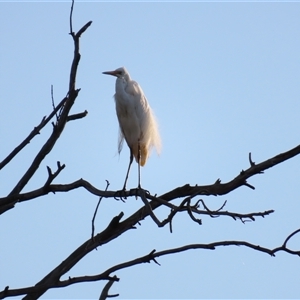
135,116
136,119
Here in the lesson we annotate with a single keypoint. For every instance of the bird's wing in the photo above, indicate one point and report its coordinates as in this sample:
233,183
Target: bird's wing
120,112
144,113
139,101
120,140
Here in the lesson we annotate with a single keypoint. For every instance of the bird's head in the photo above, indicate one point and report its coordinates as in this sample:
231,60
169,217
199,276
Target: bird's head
120,73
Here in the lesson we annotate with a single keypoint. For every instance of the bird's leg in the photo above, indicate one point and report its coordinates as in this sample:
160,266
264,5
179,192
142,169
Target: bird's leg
130,162
139,164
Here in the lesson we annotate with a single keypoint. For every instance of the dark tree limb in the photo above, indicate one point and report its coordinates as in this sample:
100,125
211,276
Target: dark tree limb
116,227
32,134
77,55
104,295
53,277
57,128
77,116
96,210
141,193
53,103
54,282
187,190
190,212
52,176
71,18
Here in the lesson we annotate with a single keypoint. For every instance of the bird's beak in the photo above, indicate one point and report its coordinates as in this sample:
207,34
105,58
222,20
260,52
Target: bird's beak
113,73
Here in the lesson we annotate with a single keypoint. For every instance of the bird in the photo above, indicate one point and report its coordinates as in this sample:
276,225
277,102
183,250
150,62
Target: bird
137,122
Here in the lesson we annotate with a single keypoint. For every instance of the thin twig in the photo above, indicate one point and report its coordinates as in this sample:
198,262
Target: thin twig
141,193
32,134
289,237
104,293
71,15
52,100
52,176
95,213
189,210
77,116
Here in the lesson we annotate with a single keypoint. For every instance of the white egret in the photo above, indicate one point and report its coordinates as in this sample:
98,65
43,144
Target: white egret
136,119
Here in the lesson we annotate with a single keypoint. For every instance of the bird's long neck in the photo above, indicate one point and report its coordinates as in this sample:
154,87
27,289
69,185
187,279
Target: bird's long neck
121,85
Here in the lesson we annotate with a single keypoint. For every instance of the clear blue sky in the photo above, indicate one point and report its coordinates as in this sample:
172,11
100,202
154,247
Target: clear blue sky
223,80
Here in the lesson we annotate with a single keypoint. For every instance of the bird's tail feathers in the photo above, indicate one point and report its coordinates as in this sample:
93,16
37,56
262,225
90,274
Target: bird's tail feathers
120,141
144,154
154,134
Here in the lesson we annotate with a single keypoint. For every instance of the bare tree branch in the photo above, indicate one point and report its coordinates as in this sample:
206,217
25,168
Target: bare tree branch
95,213
53,277
48,284
71,16
186,190
32,134
57,128
52,176
224,188
115,228
141,193
47,147
53,104
77,116
104,295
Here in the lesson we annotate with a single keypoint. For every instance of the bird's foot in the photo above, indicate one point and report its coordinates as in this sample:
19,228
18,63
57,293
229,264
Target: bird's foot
121,195
140,189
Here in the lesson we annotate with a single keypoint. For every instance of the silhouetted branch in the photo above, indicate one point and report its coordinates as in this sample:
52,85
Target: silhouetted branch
77,55
52,176
219,212
141,193
83,29
77,116
52,279
95,213
32,134
219,188
57,128
115,228
187,190
289,237
104,295
53,282
71,16
190,212
53,103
